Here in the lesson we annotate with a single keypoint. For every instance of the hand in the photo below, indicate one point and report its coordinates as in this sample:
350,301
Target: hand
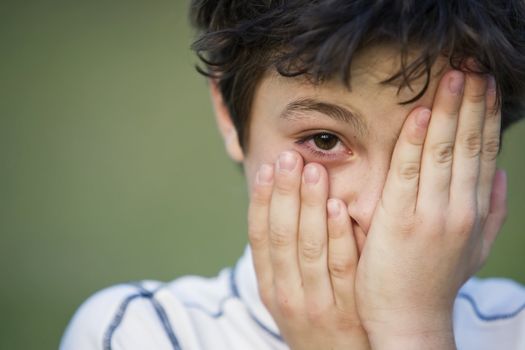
441,208
304,258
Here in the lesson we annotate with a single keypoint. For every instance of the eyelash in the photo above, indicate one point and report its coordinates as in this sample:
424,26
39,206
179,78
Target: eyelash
304,142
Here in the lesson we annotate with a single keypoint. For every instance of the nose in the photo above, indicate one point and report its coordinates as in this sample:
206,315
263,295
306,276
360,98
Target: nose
365,197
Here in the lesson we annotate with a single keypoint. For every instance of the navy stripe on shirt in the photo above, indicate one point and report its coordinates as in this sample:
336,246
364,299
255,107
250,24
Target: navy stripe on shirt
489,318
121,311
233,294
235,291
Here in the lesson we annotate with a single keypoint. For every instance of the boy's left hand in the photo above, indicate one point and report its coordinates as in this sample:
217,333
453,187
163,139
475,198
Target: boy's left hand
441,208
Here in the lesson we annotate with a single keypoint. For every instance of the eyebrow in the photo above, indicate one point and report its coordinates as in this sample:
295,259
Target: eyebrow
336,112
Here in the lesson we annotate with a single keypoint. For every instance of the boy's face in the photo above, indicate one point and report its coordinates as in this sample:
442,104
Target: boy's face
356,130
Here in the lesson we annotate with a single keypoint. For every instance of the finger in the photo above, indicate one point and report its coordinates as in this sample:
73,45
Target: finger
284,222
342,255
401,186
467,149
313,238
436,164
497,213
258,234
489,149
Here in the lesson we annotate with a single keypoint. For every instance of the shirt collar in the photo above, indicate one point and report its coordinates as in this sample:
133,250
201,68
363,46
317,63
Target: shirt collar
244,284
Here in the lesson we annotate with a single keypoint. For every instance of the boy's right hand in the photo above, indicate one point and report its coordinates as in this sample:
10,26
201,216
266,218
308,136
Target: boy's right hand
305,256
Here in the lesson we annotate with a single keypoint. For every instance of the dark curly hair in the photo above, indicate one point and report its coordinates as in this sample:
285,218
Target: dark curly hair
239,40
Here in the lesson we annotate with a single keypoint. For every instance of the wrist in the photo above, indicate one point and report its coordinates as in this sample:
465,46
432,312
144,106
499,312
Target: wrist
406,332
359,340
355,339
428,341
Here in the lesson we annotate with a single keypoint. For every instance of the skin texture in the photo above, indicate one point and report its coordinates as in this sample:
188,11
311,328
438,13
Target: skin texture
367,246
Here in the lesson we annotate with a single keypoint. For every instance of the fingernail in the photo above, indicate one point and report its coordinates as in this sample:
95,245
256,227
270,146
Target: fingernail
333,208
491,84
422,118
455,83
311,174
264,175
287,161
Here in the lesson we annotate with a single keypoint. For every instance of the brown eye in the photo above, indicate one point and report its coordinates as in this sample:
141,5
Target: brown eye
325,141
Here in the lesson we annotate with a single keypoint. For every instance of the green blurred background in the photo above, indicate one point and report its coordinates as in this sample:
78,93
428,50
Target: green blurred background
110,165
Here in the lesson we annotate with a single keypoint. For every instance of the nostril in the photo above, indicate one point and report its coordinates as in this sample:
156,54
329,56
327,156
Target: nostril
357,228
359,235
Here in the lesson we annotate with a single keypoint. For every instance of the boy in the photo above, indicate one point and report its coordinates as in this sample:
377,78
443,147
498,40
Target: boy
368,132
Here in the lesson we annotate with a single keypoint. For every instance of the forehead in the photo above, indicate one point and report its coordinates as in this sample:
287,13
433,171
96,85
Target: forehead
378,105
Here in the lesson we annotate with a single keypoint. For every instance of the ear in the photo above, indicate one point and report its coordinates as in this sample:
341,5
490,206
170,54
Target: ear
225,123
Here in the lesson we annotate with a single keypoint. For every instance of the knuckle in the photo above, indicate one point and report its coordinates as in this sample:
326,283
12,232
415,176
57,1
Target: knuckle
315,314
476,97
433,224
491,148
340,267
467,222
443,152
408,170
336,232
346,322
279,236
450,112
471,143
311,250
311,200
492,112
285,305
285,186
406,228
260,195
257,236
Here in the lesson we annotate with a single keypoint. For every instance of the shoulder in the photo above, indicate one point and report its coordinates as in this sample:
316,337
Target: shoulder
490,312
146,314
117,315
492,299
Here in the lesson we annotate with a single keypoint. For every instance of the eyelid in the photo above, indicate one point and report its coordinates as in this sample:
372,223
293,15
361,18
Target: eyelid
328,155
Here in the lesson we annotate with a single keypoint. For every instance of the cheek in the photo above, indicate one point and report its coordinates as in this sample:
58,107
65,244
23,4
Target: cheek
262,151
344,181
358,183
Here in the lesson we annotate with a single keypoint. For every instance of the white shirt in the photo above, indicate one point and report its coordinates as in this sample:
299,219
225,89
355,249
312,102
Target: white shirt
225,312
